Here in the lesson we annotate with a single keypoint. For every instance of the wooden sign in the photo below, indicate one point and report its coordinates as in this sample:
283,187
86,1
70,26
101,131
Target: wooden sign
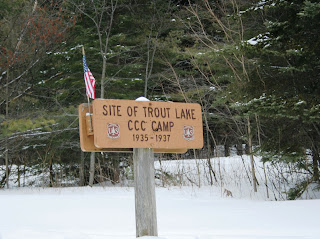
147,124
87,135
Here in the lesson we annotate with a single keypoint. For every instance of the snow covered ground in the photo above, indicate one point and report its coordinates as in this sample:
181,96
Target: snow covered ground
191,204
183,213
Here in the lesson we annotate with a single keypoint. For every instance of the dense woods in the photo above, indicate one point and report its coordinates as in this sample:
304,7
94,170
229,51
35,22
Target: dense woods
254,66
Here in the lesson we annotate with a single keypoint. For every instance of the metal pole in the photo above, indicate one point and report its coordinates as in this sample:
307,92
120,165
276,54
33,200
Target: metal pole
91,128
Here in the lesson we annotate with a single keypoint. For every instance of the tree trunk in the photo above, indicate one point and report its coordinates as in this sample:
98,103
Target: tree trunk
100,171
92,169
24,174
209,152
149,64
264,166
6,140
18,179
4,178
116,169
103,76
226,150
247,148
239,149
198,167
51,172
315,160
81,170
254,179
7,163
147,67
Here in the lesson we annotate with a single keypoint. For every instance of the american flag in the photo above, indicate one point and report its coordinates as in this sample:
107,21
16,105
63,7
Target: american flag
89,80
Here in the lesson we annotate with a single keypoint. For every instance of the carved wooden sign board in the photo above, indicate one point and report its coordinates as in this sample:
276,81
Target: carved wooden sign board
124,124
86,135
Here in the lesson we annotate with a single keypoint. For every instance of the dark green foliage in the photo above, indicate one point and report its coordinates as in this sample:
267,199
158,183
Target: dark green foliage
283,86
238,59
297,191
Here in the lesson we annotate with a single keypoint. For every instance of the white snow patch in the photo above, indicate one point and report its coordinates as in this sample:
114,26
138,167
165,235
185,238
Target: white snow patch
260,38
76,47
142,99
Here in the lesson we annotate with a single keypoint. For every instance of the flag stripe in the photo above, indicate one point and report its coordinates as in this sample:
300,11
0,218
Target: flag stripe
90,82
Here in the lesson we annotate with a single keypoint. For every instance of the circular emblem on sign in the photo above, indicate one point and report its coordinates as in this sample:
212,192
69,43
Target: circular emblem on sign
188,133
113,131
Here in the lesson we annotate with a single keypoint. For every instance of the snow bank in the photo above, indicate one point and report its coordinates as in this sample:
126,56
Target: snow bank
233,177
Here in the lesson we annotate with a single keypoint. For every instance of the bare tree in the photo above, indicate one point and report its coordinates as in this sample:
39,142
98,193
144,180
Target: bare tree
101,14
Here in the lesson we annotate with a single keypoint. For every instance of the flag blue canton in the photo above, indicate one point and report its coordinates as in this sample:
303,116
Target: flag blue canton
85,67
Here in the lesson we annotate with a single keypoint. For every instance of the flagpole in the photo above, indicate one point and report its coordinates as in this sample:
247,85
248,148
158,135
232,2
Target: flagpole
90,115
91,129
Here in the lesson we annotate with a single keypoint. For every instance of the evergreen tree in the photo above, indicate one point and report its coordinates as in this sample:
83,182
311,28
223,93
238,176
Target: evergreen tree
284,87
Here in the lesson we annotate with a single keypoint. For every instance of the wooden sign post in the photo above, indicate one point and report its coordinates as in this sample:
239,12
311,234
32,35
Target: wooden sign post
145,196
142,127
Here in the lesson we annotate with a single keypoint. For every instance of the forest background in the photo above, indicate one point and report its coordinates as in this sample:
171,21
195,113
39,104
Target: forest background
254,66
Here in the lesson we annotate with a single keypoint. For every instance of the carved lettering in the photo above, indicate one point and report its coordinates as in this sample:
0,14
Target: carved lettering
136,125
111,110
162,126
185,113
